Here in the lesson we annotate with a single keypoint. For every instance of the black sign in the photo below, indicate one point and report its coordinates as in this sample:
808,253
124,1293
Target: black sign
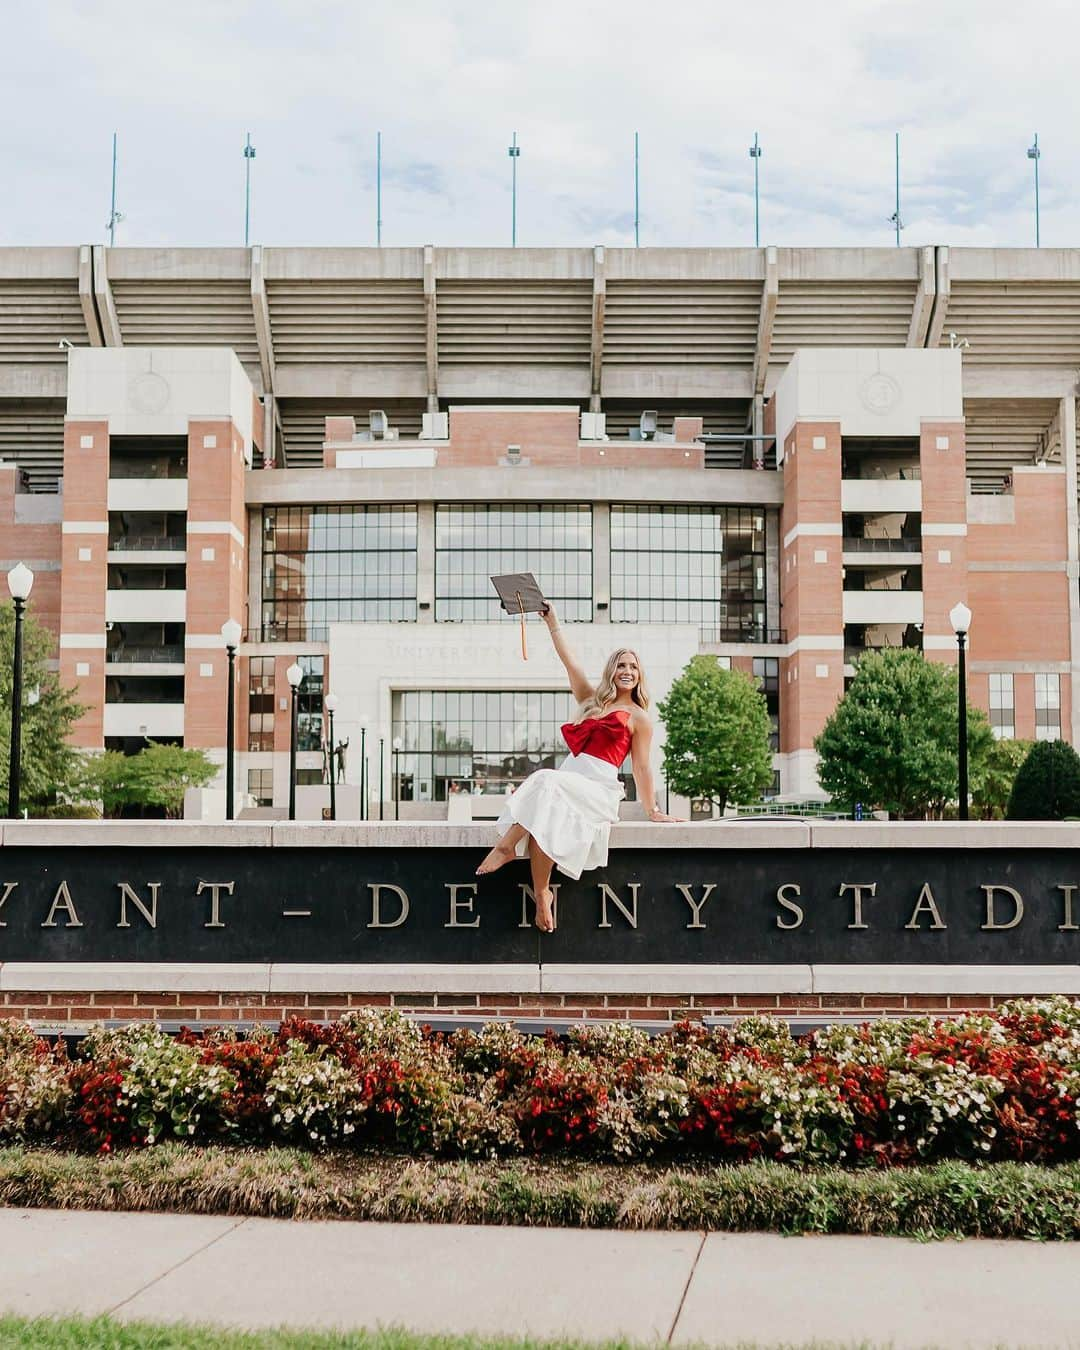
649,906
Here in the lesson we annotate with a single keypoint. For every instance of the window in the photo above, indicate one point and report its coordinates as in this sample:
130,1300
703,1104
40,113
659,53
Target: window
1002,707
309,704
261,786
703,565
261,703
1047,707
767,675
475,543
334,564
471,741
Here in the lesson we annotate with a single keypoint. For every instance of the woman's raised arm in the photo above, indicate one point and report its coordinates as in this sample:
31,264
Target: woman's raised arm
579,683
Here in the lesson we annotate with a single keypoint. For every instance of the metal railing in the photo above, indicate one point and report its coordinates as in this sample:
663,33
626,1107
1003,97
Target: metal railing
270,632
910,474
149,543
857,544
172,652
757,636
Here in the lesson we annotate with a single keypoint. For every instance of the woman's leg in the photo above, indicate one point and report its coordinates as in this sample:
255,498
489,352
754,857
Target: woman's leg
540,865
504,850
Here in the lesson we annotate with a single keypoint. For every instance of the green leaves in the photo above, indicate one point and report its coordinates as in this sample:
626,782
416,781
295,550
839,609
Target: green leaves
718,730
156,777
891,742
1047,785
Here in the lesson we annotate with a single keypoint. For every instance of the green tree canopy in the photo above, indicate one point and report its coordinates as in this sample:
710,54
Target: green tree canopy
993,784
891,740
156,777
1047,784
51,769
718,728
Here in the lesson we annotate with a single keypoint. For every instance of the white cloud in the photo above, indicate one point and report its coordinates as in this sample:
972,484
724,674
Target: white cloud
825,85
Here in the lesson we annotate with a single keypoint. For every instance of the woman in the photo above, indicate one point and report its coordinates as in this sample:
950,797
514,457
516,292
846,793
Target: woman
563,816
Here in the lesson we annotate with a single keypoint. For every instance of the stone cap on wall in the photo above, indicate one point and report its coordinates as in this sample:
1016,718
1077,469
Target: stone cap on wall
736,834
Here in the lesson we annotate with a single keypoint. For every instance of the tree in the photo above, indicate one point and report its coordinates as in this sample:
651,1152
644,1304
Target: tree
156,777
991,787
1047,785
891,740
51,769
717,734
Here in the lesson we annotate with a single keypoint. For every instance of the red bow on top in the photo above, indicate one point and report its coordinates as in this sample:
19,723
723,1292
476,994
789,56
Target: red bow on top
601,735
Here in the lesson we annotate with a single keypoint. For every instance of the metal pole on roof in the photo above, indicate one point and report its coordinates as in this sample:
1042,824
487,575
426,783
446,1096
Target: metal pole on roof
249,155
1035,154
755,155
637,194
378,188
515,153
115,216
896,214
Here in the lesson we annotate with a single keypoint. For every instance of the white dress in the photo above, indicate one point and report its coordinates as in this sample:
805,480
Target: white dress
570,810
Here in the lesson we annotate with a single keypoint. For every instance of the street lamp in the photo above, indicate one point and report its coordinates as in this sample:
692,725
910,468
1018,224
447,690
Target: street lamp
514,151
381,793
397,777
363,769
295,676
231,633
755,155
330,704
1036,154
20,579
249,155
960,618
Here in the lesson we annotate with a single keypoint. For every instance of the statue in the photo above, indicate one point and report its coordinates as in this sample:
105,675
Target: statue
339,755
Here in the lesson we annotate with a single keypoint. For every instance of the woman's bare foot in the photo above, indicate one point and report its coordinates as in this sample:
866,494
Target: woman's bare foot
499,856
545,910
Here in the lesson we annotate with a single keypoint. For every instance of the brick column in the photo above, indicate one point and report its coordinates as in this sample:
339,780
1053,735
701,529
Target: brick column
84,574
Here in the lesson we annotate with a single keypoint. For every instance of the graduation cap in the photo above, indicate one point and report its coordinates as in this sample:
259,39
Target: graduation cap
520,594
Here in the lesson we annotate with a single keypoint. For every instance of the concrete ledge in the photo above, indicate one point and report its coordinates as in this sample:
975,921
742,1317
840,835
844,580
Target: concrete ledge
133,834
1033,980
955,834
696,979
135,976
410,979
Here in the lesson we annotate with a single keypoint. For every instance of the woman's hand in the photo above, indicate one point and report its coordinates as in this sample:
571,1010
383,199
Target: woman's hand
549,616
658,817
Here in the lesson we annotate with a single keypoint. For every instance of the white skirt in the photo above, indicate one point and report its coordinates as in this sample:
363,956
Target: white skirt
569,811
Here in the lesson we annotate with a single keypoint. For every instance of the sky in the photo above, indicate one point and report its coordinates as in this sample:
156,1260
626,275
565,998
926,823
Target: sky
825,84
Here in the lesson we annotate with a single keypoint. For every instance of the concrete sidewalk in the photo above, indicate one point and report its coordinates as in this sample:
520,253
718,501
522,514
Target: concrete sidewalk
717,1288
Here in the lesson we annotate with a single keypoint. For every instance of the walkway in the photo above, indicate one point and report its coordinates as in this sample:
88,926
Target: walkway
720,1288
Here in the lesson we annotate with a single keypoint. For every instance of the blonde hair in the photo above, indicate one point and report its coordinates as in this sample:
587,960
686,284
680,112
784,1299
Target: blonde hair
606,692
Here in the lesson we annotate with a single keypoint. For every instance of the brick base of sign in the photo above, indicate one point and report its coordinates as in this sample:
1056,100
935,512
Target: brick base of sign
194,1007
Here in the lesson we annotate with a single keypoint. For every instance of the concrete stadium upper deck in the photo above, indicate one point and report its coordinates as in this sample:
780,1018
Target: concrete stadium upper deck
690,331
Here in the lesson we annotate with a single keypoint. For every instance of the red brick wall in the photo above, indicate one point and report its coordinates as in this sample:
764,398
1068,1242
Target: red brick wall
82,600
34,545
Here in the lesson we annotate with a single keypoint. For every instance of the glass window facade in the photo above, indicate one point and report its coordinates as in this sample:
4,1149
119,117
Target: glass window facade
261,703
261,786
1047,707
473,543
331,564
767,675
474,741
309,704
703,565
1002,707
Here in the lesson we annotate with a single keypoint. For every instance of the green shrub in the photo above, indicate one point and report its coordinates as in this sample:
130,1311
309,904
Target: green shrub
1047,784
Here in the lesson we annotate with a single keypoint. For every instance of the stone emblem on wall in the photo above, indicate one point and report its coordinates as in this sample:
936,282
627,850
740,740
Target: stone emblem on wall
148,393
879,393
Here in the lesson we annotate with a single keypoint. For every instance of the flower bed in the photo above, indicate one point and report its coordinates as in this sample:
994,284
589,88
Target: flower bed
1001,1086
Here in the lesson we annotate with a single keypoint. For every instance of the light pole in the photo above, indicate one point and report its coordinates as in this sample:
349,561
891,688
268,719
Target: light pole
397,777
381,793
378,188
755,155
514,152
330,704
637,193
230,631
115,216
249,155
895,217
20,579
960,618
1034,153
295,676
363,769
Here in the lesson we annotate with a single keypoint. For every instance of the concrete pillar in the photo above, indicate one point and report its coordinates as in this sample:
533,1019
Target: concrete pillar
596,359
425,562
1067,422
601,531
431,330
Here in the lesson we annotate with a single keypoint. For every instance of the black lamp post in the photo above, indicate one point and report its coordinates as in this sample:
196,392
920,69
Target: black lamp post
397,777
381,793
295,676
960,618
230,632
330,704
363,772
19,579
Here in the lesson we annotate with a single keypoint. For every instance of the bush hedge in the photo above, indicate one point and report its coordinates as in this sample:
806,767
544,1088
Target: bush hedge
994,1086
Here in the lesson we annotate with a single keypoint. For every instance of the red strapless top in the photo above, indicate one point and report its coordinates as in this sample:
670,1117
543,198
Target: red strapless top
606,737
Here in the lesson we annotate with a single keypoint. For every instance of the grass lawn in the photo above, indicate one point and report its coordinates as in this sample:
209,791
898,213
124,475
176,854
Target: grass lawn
1001,1200
101,1333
